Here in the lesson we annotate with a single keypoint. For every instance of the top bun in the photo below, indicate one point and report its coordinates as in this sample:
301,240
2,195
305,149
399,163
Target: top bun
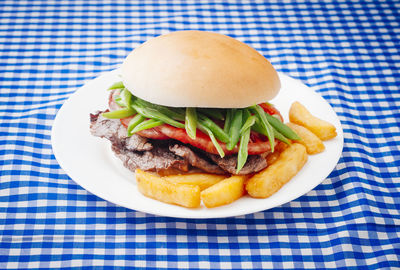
199,69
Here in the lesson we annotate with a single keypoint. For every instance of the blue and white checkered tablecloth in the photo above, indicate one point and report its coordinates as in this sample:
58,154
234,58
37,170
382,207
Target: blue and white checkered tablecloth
348,51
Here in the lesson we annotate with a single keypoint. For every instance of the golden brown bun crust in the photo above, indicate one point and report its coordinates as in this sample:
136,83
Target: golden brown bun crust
199,69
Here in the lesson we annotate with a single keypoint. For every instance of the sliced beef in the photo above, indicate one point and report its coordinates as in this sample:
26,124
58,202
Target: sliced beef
158,155
195,159
103,127
113,130
159,158
135,151
254,163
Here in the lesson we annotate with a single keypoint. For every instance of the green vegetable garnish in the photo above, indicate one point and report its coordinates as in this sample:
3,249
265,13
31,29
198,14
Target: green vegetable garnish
243,153
213,139
119,101
280,137
174,113
228,119
265,125
234,129
117,85
147,125
214,128
118,114
282,128
154,114
126,98
136,120
237,123
248,124
191,122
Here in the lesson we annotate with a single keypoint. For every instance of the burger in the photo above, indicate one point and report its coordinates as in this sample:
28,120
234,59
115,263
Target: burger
194,101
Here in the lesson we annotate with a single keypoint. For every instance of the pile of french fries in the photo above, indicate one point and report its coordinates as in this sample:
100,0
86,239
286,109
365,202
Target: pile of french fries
216,190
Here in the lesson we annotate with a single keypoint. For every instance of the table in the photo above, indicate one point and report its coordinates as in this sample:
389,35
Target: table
348,51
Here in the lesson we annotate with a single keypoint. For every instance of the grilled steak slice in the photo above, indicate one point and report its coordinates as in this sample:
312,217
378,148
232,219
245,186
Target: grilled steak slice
253,164
159,158
158,155
195,159
135,151
113,130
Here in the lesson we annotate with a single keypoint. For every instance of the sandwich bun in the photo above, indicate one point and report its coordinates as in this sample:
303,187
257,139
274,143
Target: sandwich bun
199,69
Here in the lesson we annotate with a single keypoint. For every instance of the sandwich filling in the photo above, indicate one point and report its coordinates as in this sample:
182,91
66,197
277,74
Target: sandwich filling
165,156
163,139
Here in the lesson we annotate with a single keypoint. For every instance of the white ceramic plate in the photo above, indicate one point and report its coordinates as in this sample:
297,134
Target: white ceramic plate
89,161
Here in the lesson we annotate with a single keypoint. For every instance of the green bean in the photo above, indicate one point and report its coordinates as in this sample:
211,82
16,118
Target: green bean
119,101
282,128
117,85
154,114
265,125
228,119
126,98
174,113
257,128
234,130
280,137
213,139
215,129
213,113
136,120
248,124
147,125
118,114
242,154
191,122
246,113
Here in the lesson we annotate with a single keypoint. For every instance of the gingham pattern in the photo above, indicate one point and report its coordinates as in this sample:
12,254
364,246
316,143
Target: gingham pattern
346,50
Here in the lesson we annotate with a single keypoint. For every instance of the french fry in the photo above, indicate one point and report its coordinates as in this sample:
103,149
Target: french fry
224,192
313,144
160,189
203,180
272,157
298,114
271,179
